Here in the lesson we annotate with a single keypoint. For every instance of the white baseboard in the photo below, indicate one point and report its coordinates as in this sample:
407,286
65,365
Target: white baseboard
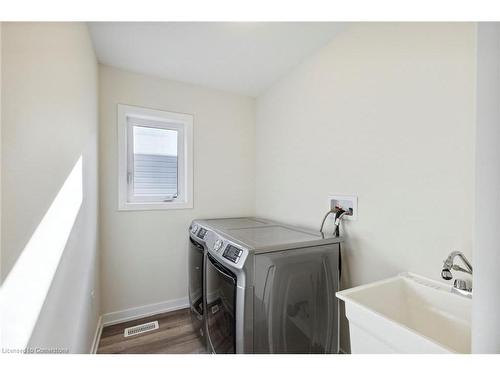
97,336
144,311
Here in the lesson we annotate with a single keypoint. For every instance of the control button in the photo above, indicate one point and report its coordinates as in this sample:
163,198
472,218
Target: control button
194,228
201,233
217,245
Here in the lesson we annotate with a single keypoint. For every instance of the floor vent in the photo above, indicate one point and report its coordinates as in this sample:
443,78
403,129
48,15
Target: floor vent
146,327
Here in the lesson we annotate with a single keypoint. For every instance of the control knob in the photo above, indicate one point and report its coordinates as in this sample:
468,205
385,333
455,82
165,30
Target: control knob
217,245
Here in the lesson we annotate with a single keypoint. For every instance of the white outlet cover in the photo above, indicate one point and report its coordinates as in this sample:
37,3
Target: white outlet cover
351,201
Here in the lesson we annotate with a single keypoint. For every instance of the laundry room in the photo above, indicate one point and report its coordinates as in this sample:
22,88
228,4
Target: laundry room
229,187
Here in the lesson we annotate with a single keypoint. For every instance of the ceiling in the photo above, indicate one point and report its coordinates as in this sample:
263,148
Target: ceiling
245,57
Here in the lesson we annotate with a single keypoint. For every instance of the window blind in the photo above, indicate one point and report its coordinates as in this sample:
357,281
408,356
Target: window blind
155,174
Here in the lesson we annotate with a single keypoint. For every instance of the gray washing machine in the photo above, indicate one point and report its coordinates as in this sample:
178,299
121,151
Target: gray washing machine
266,287
196,260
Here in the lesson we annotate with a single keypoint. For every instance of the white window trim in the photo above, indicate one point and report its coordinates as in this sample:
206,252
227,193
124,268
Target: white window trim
184,124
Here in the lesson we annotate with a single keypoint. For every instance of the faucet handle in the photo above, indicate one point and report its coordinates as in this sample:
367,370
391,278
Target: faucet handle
446,274
464,285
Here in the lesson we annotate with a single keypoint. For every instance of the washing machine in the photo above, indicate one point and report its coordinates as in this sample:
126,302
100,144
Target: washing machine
196,260
268,287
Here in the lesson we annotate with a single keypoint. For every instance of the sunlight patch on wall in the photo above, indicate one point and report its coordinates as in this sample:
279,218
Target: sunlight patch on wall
26,286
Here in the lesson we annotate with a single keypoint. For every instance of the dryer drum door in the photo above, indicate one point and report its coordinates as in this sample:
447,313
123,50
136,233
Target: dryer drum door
220,295
196,254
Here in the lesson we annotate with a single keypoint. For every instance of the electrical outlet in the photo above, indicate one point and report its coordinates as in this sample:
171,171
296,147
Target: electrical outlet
346,202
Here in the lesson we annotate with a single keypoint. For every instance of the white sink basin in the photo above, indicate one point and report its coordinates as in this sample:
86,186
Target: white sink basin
407,314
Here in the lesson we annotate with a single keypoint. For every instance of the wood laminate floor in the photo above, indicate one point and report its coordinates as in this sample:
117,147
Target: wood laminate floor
175,335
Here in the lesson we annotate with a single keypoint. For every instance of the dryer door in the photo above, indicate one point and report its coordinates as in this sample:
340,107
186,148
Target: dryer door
220,304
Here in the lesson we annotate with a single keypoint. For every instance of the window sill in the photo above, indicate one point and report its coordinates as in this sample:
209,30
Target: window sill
145,206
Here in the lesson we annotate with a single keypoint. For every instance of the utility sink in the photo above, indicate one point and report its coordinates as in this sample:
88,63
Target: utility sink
407,314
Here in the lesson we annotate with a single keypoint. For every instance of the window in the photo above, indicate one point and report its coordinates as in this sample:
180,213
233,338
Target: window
155,159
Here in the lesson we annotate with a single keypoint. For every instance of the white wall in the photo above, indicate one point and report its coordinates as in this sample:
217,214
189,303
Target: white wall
144,253
486,303
386,112
49,121
0,137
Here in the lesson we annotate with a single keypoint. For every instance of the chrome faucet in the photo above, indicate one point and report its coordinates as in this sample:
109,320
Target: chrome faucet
463,287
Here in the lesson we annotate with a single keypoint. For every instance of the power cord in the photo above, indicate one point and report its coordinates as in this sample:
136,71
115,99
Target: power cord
339,215
332,211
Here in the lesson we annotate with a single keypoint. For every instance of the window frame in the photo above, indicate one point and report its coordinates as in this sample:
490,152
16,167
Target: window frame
180,122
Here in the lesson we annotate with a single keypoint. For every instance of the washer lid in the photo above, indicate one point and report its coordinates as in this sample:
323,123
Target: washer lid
269,236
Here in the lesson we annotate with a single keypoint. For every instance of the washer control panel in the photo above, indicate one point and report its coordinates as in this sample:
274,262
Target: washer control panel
223,249
232,253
